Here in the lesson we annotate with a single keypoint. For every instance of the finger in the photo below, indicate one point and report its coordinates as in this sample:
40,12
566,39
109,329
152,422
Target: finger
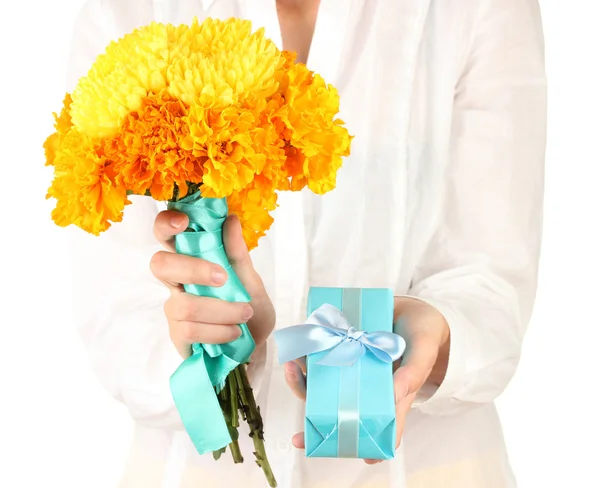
168,224
295,379
302,363
196,332
174,288
298,440
190,308
239,257
175,269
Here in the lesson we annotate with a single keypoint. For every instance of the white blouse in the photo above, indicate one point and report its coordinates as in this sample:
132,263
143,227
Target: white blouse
441,199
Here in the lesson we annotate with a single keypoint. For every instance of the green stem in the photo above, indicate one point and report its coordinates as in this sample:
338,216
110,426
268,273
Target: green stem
233,400
236,452
228,397
252,415
235,397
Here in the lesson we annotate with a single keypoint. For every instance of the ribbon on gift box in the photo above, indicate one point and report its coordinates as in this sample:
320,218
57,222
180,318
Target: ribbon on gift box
328,329
194,384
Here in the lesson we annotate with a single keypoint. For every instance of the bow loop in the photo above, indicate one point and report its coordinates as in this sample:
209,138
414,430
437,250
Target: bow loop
327,329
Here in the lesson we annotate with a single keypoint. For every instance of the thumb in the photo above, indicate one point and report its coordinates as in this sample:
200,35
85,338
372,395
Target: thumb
239,257
262,322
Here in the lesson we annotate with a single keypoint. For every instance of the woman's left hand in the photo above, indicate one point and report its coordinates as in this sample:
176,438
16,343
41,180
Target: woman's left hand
427,337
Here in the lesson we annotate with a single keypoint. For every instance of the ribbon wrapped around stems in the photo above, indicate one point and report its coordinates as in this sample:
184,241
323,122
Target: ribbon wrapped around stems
193,384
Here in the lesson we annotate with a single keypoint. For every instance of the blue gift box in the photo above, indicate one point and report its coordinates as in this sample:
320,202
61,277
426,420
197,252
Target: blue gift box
350,409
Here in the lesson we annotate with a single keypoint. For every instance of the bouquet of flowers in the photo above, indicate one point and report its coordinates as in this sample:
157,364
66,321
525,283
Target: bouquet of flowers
212,118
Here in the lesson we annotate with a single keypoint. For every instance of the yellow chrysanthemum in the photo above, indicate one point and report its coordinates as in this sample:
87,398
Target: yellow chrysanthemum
119,79
215,64
210,106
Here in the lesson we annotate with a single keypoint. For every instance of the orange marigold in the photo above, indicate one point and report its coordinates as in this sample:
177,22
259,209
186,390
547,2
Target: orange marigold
147,152
318,139
252,205
84,186
62,124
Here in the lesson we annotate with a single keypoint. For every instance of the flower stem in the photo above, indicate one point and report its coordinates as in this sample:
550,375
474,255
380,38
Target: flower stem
228,399
251,413
233,400
236,452
235,397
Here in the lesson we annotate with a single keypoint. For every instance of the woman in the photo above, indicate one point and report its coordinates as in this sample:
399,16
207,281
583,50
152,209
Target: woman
440,200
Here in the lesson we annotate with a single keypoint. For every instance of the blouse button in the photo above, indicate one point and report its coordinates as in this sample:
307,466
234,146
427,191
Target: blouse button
284,445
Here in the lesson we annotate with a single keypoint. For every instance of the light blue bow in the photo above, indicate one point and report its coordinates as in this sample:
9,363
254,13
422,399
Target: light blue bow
328,329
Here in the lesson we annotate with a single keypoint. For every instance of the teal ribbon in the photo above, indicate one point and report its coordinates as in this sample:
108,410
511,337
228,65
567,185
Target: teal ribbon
338,332
198,378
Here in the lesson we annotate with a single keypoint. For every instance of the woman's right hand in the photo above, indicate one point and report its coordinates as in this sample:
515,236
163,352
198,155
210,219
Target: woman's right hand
195,319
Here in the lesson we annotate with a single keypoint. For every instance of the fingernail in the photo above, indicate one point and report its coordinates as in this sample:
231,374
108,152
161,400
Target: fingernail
289,368
177,221
218,277
247,313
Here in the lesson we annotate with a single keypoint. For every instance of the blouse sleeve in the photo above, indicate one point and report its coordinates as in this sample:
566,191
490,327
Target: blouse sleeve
480,270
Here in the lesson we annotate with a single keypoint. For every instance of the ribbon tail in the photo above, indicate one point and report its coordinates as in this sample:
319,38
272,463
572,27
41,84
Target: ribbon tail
198,405
218,368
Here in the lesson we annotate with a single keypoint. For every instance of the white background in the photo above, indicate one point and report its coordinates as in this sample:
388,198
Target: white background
59,428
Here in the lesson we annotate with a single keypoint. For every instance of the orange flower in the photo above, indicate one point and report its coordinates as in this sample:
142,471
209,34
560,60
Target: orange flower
62,125
147,151
319,140
84,186
252,205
